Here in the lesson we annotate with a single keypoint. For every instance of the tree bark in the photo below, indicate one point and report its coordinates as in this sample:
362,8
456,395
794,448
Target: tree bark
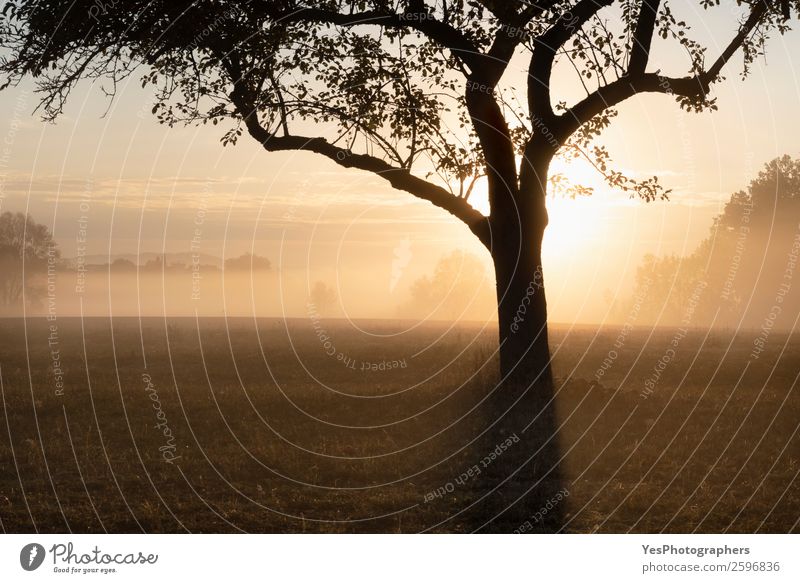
517,234
522,310
527,478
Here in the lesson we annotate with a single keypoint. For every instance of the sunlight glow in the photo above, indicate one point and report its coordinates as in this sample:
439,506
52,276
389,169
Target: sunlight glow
572,219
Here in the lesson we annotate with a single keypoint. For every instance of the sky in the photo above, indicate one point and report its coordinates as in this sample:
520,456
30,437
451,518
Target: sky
142,187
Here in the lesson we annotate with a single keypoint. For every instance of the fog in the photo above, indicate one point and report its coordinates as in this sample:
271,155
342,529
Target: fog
732,268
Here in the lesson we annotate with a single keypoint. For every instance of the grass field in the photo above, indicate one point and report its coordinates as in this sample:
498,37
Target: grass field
217,425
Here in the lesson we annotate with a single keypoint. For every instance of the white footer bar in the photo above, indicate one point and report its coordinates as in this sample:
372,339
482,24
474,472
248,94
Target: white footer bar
401,559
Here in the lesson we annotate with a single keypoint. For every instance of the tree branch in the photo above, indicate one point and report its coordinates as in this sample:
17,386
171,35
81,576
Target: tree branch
440,32
544,52
494,136
509,36
620,90
398,178
643,37
691,87
758,11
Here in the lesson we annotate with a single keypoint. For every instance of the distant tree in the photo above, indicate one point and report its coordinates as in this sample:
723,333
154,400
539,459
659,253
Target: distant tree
156,264
25,249
323,297
459,283
664,286
413,91
159,264
772,199
248,262
751,246
742,262
122,265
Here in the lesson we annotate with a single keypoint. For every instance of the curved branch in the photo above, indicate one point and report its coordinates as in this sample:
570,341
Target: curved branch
398,178
544,53
617,92
692,86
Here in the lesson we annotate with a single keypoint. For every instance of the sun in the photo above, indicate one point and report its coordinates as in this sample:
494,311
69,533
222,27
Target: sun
573,220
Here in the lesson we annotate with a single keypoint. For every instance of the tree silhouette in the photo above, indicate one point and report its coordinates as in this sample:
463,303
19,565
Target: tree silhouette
456,285
741,263
419,93
414,91
121,265
248,262
25,249
323,298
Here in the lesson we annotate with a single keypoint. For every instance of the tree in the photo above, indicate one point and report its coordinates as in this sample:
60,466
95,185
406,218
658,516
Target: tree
740,264
413,91
122,265
665,287
457,284
248,262
322,297
26,248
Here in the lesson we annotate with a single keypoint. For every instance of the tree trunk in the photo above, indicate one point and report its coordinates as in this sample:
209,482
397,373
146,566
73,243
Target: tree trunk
518,228
527,478
522,310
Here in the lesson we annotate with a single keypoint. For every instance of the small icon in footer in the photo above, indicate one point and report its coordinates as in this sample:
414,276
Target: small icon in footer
31,556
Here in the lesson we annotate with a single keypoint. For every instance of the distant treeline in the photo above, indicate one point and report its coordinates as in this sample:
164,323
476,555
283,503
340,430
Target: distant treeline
742,275
30,263
246,262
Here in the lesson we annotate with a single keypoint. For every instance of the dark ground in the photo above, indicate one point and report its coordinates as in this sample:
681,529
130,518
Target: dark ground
275,435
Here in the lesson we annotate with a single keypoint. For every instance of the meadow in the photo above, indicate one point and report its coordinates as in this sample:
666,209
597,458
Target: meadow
316,425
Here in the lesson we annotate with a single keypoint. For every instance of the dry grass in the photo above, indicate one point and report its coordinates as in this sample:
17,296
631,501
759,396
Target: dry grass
276,436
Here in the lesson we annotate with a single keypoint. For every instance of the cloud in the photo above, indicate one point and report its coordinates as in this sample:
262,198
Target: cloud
187,192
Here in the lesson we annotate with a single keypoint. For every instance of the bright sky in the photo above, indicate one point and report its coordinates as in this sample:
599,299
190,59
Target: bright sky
148,186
